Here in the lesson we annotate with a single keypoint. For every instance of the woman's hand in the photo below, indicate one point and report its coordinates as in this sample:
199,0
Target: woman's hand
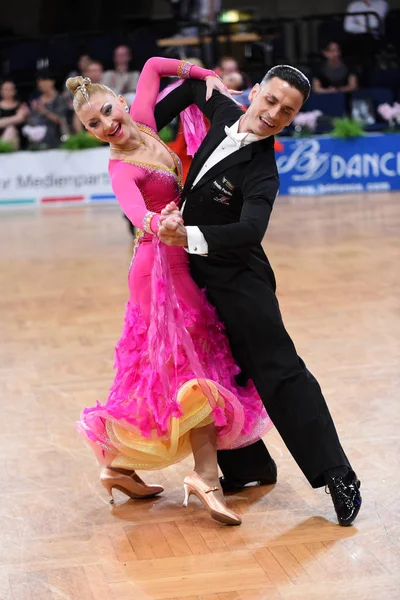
172,213
215,83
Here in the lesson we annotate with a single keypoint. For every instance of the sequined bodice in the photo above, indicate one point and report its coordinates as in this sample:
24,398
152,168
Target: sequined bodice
161,184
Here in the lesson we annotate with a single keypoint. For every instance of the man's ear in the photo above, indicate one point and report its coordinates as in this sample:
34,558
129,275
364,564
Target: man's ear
254,91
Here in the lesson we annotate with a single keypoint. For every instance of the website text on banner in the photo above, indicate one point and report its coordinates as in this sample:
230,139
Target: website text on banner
321,165
307,166
55,176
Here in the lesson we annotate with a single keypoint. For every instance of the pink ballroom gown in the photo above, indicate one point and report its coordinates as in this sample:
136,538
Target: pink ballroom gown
174,368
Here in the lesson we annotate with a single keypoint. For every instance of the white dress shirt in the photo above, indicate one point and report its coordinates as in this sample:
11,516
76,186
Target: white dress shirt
358,23
233,142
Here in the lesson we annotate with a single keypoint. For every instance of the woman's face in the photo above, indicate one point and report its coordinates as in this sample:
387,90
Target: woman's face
333,52
46,86
107,119
83,63
8,91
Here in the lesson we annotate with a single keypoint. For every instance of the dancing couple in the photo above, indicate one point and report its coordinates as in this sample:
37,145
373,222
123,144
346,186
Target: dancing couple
205,372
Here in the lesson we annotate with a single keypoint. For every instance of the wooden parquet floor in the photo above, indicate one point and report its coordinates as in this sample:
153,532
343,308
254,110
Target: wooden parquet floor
63,291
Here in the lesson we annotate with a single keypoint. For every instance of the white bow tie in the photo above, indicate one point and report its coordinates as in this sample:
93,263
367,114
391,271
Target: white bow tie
233,136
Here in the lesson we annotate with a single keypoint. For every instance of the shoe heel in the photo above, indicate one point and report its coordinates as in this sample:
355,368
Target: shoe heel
109,487
188,492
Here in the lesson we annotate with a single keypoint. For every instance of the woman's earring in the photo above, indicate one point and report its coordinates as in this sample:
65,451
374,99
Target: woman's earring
126,108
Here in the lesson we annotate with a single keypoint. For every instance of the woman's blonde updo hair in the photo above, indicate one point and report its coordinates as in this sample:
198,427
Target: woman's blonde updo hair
83,89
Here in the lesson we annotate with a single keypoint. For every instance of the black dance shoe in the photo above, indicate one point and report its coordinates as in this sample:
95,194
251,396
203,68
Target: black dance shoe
346,497
267,477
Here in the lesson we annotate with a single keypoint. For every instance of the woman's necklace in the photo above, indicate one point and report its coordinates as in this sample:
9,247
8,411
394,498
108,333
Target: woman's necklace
127,149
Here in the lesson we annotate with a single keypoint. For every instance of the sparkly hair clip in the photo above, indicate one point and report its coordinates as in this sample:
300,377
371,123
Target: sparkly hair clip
83,90
184,69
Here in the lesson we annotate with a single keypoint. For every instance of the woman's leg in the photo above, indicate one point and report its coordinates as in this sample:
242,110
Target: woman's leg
204,447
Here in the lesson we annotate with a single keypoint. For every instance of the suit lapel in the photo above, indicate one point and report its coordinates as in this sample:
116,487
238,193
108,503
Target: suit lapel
211,141
241,155
235,158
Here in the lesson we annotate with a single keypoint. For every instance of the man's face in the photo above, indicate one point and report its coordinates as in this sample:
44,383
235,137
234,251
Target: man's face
273,107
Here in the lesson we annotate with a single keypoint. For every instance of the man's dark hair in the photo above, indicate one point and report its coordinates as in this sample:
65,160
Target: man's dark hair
292,76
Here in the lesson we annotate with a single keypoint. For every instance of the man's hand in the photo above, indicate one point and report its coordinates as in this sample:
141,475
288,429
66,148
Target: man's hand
172,233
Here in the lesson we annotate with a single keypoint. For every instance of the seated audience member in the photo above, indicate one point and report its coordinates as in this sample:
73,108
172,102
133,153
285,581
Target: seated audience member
333,75
361,24
121,79
94,71
228,65
234,81
83,61
13,114
364,33
49,109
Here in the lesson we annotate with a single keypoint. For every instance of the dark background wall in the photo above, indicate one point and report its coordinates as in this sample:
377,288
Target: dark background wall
51,16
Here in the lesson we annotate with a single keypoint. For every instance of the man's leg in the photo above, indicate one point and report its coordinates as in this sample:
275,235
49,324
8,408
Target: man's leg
245,465
290,393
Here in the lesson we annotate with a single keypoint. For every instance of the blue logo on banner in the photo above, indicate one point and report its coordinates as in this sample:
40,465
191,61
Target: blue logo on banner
330,166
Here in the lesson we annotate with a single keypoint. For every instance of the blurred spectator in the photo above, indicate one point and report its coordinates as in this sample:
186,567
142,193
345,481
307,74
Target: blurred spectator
358,24
49,110
196,11
94,71
121,80
364,33
12,114
228,65
234,81
194,18
334,75
81,66
243,98
206,11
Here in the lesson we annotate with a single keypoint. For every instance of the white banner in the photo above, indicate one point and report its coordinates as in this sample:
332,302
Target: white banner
55,177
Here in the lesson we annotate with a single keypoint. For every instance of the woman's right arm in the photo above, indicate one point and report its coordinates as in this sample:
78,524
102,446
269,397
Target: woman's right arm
130,198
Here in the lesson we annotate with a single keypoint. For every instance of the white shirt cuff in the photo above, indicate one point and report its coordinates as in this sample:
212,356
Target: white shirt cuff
196,241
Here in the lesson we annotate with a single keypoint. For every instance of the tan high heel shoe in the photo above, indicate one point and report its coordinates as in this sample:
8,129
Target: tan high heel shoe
131,485
193,484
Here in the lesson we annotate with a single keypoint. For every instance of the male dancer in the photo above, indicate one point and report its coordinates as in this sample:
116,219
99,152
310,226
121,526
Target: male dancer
228,196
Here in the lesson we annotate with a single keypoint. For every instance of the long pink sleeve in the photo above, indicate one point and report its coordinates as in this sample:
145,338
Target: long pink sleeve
142,109
129,197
